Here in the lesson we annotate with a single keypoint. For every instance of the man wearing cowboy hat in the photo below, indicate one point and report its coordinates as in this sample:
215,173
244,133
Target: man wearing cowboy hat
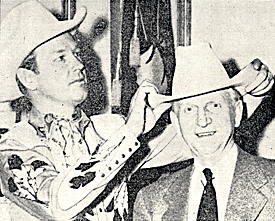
55,162
222,182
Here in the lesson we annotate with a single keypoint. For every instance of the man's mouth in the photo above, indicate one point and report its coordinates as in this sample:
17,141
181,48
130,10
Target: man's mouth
79,80
206,134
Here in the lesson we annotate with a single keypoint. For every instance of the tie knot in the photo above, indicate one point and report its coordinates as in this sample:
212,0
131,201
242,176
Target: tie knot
208,174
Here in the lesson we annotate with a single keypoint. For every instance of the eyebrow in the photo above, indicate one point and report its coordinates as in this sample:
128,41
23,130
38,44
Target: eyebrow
60,51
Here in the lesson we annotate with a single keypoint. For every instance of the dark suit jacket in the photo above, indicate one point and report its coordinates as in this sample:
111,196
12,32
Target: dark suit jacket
252,194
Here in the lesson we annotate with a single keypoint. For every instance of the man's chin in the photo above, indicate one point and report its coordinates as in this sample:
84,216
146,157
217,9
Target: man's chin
204,149
80,98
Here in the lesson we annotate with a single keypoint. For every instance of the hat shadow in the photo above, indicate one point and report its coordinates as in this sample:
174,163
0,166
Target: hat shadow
231,66
97,98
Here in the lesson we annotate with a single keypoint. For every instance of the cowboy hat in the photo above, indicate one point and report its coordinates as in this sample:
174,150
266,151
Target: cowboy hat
25,28
199,71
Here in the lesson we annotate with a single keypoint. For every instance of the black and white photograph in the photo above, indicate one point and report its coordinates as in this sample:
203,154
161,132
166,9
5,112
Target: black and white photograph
137,110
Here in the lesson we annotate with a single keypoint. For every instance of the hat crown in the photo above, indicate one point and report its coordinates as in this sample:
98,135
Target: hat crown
198,71
22,23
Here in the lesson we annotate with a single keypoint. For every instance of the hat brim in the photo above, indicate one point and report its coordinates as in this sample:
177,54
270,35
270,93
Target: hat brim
157,99
243,78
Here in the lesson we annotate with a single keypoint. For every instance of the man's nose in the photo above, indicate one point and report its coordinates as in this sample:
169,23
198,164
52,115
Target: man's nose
77,63
203,119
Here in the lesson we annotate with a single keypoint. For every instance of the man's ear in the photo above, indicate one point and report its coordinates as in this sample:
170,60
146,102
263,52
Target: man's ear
238,112
28,78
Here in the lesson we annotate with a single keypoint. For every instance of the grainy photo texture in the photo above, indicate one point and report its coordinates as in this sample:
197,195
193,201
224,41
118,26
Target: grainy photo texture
132,110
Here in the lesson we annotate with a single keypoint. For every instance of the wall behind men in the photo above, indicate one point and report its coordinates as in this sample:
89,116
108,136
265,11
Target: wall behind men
241,30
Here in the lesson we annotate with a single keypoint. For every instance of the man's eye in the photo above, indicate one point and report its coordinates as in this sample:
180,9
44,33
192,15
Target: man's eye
77,55
213,107
77,52
60,58
189,110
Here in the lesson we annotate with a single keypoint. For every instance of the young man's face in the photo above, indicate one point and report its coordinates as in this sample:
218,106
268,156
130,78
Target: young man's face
207,123
61,73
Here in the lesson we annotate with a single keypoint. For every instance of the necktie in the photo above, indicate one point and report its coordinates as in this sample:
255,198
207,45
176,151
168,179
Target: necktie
208,209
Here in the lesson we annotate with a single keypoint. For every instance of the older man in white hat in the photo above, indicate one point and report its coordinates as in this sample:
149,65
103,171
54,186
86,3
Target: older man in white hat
224,182
56,162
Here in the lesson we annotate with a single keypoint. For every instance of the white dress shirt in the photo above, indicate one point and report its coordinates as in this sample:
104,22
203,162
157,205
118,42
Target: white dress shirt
222,173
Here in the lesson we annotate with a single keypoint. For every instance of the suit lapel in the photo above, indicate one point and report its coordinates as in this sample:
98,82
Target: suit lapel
246,200
177,196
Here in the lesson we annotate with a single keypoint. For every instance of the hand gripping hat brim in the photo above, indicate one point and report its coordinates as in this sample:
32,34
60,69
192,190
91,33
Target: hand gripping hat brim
25,28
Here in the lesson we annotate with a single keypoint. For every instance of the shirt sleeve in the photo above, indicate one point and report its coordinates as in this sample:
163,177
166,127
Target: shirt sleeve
166,143
30,179
93,176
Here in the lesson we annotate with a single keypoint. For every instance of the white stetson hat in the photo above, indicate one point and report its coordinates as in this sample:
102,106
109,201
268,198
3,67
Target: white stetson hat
25,28
199,71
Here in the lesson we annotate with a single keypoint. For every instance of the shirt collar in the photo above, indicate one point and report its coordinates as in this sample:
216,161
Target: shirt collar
223,167
82,121
79,118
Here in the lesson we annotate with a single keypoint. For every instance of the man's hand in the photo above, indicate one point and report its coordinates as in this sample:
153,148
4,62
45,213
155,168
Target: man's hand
256,80
151,68
263,80
141,113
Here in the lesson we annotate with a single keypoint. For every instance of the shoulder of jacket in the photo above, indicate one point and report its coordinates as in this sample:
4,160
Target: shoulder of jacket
267,166
22,134
258,164
160,186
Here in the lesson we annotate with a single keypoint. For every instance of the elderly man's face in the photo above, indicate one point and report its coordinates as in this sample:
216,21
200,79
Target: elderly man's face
207,123
61,76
